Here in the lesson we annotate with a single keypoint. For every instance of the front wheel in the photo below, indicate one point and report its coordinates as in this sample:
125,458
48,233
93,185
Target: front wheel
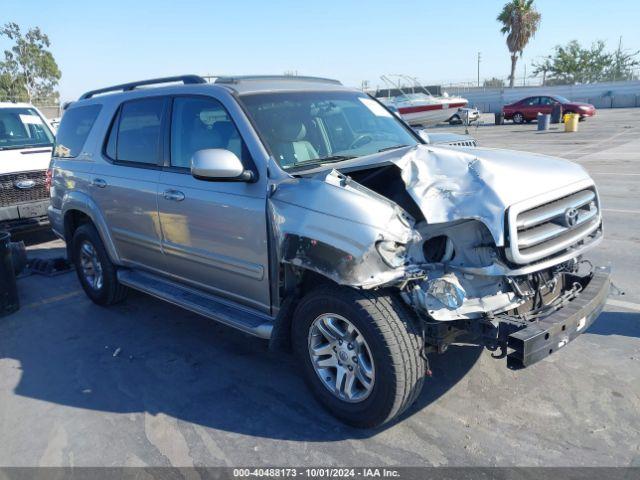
361,353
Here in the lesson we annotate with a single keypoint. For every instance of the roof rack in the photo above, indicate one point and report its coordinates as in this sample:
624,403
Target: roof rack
292,78
125,87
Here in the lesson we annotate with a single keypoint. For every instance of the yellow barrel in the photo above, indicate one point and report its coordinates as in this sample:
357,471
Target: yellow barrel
571,122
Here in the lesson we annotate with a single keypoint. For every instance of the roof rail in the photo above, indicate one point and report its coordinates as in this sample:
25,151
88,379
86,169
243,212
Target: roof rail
292,78
186,79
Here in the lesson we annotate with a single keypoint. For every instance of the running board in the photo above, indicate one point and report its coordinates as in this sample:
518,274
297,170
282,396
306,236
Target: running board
206,305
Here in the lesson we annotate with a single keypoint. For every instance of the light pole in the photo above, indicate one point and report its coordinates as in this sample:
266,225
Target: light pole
479,58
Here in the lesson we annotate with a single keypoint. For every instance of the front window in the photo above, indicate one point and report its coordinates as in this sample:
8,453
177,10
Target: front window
304,129
23,128
200,123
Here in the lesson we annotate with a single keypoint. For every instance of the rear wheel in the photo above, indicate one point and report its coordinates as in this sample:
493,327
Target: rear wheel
96,273
518,118
361,353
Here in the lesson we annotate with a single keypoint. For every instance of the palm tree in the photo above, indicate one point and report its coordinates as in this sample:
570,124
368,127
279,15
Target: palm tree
520,21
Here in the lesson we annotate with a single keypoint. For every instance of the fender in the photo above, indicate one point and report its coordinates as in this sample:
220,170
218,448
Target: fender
79,201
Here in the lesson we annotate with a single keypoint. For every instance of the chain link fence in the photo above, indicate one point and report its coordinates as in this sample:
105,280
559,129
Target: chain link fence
523,80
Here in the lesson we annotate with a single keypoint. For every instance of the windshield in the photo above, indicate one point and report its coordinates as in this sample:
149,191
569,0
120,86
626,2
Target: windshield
22,128
309,128
561,99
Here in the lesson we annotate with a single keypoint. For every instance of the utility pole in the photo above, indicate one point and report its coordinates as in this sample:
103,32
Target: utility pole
524,79
618,63
479,58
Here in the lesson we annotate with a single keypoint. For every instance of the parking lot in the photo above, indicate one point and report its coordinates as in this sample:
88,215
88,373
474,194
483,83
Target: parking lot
147,383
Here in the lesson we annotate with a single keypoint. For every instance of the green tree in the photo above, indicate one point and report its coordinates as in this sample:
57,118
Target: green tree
543,67
29,70
520,21
573,63
623,63
493,83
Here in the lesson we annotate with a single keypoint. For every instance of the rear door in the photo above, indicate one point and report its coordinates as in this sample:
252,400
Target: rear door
214,233
125,185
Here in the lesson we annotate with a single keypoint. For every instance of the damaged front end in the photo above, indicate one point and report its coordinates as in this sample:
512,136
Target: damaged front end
483,244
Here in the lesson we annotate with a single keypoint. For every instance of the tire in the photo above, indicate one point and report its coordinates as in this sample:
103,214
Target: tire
518,118
108,291
393,338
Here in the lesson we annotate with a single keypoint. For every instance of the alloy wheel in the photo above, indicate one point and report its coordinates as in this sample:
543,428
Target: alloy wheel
341,357
90,265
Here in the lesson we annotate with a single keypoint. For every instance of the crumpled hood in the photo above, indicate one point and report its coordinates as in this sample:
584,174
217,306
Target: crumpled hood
450,184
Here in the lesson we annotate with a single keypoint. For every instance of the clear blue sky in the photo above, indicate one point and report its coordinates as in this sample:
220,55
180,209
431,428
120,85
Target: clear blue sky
106,42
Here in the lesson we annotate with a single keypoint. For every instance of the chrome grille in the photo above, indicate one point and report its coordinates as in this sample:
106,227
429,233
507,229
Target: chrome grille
463,143
554,227
10,194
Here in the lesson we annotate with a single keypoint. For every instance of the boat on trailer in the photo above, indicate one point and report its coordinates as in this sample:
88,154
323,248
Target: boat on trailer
415,104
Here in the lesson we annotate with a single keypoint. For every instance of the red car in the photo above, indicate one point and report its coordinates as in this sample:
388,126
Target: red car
528,108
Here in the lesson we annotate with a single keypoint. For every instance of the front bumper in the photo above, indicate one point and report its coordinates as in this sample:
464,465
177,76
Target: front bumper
24,216
537,341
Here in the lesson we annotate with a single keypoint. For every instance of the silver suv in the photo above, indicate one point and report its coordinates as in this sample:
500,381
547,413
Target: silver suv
306,213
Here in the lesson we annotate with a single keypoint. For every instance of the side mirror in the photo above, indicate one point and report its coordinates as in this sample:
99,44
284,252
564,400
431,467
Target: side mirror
219,164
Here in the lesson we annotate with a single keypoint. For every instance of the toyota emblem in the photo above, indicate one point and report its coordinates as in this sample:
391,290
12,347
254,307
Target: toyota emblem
571,217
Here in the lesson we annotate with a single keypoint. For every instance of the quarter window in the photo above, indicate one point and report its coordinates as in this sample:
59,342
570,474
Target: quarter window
74,130
198,124
136,136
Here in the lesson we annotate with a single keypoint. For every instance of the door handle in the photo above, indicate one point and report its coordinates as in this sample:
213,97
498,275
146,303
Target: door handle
174,195
99,182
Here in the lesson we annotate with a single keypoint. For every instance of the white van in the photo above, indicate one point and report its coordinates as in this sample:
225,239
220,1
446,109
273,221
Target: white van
26,140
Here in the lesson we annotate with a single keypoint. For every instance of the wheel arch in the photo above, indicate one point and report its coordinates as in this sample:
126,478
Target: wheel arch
295,282
78,209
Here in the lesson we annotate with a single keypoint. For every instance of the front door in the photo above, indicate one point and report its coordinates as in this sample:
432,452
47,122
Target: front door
531,108
214,233
546,105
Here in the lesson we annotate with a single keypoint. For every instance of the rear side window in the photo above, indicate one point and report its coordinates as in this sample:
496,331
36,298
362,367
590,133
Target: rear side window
136,135
74,130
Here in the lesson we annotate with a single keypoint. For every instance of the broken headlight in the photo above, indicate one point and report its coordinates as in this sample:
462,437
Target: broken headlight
393,253
447,291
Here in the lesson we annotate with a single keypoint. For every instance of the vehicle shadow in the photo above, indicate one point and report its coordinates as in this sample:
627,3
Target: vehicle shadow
616,323
34,237
146,356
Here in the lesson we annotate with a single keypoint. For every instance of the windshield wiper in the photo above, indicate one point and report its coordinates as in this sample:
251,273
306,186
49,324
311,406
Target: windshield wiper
320,161
334,158
394,147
